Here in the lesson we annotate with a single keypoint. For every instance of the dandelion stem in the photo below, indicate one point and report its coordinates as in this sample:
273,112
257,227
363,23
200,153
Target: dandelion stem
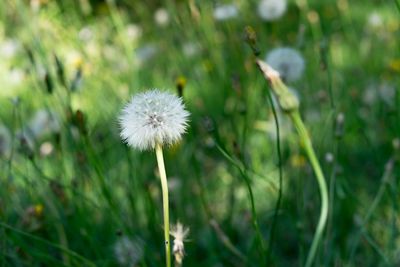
307,145
164,187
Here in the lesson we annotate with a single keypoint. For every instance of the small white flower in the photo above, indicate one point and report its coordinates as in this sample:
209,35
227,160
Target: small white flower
128,252
42,123
5,141
287,61
270,10
161,17
179,232
153,117
225,12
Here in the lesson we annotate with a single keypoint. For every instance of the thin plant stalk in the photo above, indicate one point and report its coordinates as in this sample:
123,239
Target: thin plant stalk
164,188
384,182
280,188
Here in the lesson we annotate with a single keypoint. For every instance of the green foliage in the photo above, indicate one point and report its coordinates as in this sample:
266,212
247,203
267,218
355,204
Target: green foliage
69,192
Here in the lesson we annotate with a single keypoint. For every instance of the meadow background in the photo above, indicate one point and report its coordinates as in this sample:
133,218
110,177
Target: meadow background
73,194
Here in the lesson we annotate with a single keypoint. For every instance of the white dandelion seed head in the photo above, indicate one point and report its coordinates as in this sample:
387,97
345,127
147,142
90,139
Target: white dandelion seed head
225,12
270,10
288,62
5,141
128,252
153,117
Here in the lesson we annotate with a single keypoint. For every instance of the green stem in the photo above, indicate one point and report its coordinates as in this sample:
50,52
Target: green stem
307,145
164,187
280,187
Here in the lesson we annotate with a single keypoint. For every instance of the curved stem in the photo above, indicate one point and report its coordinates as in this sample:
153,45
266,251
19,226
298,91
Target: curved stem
280,188
164,188
306,142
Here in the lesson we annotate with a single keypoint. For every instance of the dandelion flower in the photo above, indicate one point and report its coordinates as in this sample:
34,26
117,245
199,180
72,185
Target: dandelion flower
179,232
5,141
128,252
287,61
270,10
153,117
225,12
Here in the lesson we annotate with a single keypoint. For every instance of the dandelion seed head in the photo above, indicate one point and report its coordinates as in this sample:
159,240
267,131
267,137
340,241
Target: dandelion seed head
153,117
225,12
179,232
128,252
270,10
287,61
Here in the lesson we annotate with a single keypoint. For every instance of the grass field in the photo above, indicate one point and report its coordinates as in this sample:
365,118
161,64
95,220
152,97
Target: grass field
73,193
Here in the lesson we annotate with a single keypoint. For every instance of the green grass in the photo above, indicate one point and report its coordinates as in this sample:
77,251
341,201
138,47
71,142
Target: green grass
70,207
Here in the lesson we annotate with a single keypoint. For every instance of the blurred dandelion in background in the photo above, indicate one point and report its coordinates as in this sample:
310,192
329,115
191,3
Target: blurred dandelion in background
270,10
161,17
288,62
225,12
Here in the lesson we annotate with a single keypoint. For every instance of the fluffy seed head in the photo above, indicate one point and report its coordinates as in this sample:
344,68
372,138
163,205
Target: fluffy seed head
179,232
287,61
270,10
153,117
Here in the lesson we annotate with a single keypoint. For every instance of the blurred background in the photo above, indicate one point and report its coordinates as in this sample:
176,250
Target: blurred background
73,194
